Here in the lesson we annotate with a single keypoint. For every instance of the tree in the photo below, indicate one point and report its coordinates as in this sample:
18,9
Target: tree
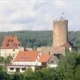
68,66
1,59
28,74
49,74
17,76
8,59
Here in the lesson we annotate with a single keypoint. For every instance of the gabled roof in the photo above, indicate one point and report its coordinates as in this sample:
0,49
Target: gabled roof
26,56
67,44
10,42
44,58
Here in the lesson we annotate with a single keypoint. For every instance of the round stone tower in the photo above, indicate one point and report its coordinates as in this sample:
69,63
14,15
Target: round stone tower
60,32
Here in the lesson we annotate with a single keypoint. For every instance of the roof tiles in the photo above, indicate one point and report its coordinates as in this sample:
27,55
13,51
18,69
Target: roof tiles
44,58
10,42
26,56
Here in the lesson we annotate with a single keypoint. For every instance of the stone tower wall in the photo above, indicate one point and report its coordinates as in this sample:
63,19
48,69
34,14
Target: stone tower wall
60,32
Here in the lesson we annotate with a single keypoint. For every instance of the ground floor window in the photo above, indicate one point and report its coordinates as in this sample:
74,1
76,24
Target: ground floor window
23,69
17,69
11,68
43,63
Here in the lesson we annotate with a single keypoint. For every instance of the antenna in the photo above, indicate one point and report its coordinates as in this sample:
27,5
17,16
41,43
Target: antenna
62,14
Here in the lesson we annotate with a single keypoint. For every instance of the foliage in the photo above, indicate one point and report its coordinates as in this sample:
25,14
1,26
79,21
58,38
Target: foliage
41,38
17,76
8,59
30,38
68,67
1,59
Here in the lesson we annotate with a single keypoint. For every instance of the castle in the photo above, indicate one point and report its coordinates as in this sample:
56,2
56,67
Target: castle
42,57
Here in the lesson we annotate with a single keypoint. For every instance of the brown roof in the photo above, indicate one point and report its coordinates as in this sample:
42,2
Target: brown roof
58,50
10,42
53,50
66,45
26,56
44,58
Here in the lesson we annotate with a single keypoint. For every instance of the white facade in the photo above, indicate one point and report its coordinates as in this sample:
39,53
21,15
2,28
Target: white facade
52,65
35,63
10,52
18,68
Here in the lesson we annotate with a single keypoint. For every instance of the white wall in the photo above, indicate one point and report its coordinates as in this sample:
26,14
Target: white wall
52,65
20,67
10,52
27,63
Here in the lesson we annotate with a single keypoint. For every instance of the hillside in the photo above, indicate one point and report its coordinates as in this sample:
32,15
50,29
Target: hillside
40,38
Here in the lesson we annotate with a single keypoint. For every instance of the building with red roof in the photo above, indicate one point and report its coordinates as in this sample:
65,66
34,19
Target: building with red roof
29,59
10,46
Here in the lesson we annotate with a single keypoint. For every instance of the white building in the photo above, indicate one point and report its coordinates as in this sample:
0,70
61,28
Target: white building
10,46
29,59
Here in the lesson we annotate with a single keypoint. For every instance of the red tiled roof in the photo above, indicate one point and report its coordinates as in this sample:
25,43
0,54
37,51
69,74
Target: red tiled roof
26,56
10,42
44,58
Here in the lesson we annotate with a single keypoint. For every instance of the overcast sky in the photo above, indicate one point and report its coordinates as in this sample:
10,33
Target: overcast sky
37,14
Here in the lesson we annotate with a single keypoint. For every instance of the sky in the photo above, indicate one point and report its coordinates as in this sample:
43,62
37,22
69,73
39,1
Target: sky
38,14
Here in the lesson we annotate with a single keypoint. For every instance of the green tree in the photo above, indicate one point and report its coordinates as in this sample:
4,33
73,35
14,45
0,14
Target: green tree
68,66
8,59
28,74
17,76
49,74
1,59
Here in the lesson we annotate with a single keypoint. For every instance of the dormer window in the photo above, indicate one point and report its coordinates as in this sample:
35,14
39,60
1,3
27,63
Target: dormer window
7,44
9,40
12,40
19,44
15,44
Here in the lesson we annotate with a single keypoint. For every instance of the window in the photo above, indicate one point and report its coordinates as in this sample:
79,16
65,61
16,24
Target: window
9,40
13,55
43,63
49,53
7,44
13,49
17,69
12,40
19,44
11,68
15,44
23,69
39,55
52,61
